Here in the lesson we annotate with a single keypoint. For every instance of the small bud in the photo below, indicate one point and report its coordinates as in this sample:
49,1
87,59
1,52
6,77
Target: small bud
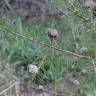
61,13
83,72
52,33
32,69
83,50
88,3
74,82
40,87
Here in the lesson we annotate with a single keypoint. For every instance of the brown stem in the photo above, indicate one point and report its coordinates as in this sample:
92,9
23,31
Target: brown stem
42,43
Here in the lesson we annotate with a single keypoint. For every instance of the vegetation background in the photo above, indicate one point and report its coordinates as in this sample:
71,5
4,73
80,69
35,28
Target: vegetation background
61,73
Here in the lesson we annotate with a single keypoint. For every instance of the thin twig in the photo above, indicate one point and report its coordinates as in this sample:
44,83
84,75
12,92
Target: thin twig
81,16
94,66
12,85
50,92
76,44
94,72
9,6
42,62
45,90
42,43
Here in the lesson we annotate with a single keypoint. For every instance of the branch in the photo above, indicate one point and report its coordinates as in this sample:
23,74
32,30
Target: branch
42,43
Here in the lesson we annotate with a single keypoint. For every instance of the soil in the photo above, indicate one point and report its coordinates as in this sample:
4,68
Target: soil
22,89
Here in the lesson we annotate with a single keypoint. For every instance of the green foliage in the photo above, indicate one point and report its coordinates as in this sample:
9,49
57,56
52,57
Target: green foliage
56,64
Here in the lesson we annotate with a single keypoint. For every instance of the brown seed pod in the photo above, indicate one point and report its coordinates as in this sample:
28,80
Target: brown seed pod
52,33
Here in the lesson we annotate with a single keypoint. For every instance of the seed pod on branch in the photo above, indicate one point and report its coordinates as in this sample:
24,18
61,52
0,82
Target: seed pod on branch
83,50
31,68
52,33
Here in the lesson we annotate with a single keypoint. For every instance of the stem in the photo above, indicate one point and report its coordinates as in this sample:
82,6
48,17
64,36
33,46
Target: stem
42,43
94,72
12,85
